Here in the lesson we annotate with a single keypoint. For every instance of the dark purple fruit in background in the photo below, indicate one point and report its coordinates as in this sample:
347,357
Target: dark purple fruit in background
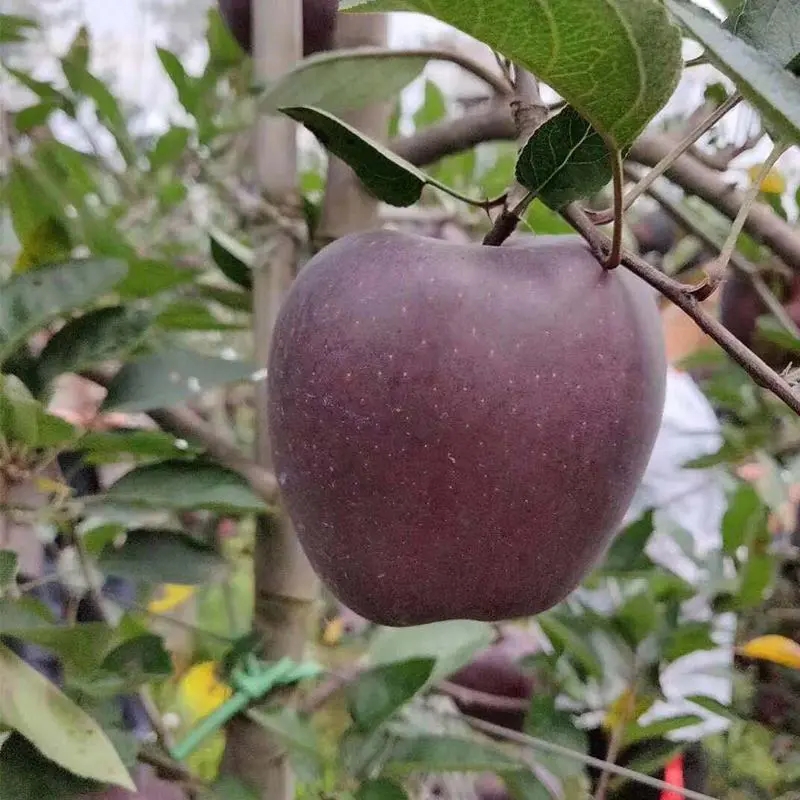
319,23
457,429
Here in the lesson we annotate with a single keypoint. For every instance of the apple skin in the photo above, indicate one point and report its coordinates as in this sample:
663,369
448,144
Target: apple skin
319,23
458,430
740,308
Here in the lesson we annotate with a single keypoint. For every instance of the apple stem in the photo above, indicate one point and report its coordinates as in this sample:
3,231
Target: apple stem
506,222
606,216
613,260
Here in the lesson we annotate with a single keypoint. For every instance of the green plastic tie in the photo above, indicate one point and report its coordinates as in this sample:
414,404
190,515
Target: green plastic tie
250,682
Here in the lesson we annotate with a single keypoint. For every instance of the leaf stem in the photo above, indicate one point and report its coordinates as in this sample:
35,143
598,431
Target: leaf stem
612,262
721,264
604,217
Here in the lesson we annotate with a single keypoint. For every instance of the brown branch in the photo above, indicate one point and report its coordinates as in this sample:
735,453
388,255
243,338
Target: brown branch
683,297
490,702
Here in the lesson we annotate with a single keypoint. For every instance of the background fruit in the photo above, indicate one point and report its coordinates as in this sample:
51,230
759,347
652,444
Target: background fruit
319,23
442,410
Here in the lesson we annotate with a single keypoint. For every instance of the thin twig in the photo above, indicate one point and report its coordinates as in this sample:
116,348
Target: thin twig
683,297
501,85
612,262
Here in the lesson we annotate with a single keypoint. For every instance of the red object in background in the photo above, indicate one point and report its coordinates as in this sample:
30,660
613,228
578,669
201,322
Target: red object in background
673,775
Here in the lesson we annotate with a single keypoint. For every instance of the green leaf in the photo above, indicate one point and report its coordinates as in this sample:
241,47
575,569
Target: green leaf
687,638
162,556
185,86
229,298
524,785
9,563
628,47
168,147
294,731
566,640
25,774
714,706
433,108
100,335
745,517
180,485
19,413
637,618
147,278
385,175
33,299
771,26
381,691
188,315
639,733
344,80
755,579
381,789
772,89
42,89
545,721
234,260
627,551
31,117
169,378
445,754
452,643
109,447
58,728
14,28
139,660
564,160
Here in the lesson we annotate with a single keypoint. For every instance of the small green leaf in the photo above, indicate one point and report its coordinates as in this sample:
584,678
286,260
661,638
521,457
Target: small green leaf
433,108
637,618
33,299
19,413
381,789
763,81
545,721
57,727
452,643
385,175
109,447
14,28
229,298
744,518
627,551
616,62
714,706
381,691
771,26
25,774
168,147
185,86
565,639
687,638
9,563
288,726
188,315
524,785
147,278
655,730
755,578
564,160
169,378
445,754
100,335
344,80
234,260
162,556
180,485
139,660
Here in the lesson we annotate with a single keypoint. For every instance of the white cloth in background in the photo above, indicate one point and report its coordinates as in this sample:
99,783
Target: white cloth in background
693,501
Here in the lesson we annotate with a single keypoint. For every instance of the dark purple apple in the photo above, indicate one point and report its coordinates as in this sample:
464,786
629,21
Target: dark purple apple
458,430
319,23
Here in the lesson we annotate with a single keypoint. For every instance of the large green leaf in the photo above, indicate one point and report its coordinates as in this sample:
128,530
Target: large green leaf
109,447
446,754
97,336
344,80
169,378
379,692
638,733
387,176
771,26
616,61
25,774
162,556
33,299
14,28
452,643
760,78
564,160
182,485
60,730
744,518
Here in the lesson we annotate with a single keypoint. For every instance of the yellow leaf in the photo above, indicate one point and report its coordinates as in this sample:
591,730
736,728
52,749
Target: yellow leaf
626,708
48,243
773,183
171,596
777,649
201,689
333,632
